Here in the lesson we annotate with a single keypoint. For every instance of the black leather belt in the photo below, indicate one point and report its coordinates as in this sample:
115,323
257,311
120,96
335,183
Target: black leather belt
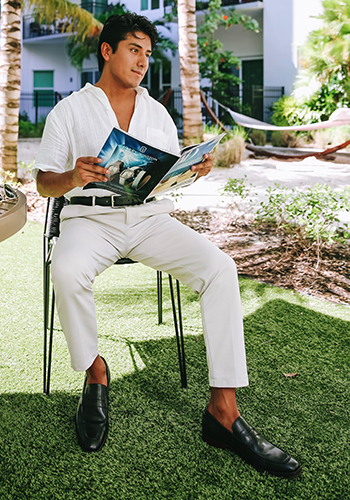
113,201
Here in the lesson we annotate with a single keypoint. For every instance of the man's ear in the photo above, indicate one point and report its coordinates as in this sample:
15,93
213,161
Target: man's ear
106,51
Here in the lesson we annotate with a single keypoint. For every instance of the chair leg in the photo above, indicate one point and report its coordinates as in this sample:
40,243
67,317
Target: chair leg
160,297
48,372
47,328
178,330
46,318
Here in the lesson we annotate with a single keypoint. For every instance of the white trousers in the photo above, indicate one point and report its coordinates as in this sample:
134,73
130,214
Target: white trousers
92,241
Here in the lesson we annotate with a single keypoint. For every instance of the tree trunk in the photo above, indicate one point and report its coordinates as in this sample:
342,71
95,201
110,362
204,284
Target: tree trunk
10,82
192,115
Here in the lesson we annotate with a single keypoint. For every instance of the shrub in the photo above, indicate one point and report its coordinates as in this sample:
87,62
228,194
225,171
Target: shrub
284,139
258,137
29,129
311,215
232,151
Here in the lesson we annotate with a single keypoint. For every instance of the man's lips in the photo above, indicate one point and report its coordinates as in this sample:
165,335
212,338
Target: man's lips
138,72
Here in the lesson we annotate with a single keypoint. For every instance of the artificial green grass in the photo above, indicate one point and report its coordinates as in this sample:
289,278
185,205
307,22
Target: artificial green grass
154,449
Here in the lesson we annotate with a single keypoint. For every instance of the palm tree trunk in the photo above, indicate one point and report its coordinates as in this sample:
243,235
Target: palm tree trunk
10,82
192,115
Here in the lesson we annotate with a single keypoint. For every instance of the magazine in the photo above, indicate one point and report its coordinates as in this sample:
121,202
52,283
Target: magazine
139,171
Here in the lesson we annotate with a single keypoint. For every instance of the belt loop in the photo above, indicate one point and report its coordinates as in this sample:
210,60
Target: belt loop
93,201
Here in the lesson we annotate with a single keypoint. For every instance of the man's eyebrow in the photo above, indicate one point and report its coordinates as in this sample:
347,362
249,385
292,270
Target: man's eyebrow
139,46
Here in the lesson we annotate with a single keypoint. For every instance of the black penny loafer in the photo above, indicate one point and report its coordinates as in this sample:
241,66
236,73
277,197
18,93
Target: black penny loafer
91,418
254,449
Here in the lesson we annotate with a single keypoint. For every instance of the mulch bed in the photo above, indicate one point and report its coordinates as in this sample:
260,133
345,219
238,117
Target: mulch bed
277,259
259,252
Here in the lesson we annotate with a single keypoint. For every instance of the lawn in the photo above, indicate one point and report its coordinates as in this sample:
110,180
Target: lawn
154,449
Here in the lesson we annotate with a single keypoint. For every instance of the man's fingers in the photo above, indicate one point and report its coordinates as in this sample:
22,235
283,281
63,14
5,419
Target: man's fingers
205,166
88,170
89,159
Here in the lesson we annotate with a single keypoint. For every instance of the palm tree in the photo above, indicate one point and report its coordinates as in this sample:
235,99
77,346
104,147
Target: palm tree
192,115
77,21
10,82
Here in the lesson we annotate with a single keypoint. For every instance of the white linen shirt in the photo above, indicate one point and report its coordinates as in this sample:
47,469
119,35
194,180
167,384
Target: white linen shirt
80,124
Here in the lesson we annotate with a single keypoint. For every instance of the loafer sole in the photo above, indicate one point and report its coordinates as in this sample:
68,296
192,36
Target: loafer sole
218,444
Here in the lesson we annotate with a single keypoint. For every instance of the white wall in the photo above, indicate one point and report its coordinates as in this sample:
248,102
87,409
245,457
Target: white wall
286,25
244,43
49,57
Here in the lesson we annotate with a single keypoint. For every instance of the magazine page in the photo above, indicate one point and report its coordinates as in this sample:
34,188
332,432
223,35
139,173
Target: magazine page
135,167
180,174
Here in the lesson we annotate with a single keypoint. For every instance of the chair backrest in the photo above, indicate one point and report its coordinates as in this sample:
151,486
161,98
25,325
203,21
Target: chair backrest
52,218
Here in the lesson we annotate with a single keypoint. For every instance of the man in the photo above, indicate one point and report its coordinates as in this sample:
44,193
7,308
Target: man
94,234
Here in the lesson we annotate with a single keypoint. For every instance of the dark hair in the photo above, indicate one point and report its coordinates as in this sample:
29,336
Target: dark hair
117,28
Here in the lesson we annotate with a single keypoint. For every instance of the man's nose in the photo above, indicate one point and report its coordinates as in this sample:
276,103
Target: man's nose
143,61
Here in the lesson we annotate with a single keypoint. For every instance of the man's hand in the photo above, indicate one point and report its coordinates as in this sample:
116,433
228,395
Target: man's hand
86,171
205,166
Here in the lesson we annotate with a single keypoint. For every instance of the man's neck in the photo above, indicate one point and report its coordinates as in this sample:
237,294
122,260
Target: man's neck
122,101
114,91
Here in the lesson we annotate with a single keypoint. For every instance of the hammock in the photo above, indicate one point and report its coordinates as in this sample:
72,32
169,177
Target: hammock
340,117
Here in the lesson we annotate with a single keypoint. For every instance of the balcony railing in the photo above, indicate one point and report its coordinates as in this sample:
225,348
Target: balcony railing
32,29
225,3
96,7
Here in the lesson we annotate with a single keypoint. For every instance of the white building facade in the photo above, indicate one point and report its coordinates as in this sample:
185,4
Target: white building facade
269,59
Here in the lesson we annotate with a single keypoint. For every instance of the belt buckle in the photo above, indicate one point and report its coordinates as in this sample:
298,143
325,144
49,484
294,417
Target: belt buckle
114,197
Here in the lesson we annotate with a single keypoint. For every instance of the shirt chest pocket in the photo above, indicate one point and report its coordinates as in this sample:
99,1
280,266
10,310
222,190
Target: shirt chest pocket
156,138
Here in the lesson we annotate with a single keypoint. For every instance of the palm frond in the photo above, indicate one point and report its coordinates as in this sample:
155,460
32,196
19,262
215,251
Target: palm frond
75,20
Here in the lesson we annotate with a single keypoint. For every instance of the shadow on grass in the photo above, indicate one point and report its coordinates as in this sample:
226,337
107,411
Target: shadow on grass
154,449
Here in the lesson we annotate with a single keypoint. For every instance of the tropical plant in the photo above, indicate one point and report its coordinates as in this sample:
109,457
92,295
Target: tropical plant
215,63
79,48
323,84
326,54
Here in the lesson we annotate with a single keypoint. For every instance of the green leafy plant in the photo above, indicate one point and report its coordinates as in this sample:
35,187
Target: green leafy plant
215,64
258,137
29,129
311,215
284,139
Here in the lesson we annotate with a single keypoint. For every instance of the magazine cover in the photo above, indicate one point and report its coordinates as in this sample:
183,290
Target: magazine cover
135,167
139,170
180,174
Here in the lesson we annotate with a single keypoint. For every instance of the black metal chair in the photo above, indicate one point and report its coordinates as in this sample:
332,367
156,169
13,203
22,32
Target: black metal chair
51,234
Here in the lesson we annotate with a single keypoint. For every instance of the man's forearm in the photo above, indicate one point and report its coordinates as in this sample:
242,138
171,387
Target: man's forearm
51,184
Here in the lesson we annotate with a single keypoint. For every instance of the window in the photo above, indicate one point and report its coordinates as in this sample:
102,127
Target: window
44,95
158,78
154,4
89,77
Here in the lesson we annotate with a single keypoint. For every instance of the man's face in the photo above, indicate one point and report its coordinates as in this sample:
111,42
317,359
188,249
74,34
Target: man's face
129,63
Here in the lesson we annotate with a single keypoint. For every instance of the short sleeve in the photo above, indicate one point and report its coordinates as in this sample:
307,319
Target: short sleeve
54,153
